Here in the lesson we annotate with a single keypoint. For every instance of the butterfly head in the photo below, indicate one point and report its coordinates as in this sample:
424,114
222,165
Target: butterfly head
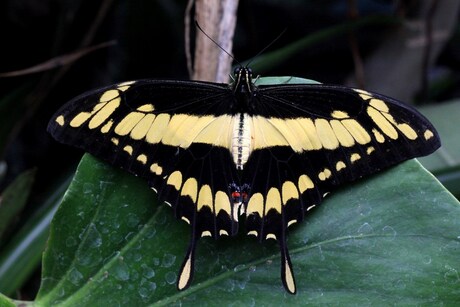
243,75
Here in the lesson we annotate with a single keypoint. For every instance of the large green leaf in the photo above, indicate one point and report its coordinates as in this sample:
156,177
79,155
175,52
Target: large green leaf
393,238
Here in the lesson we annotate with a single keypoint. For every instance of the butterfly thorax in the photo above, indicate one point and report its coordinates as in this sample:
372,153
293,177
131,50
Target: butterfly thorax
244,89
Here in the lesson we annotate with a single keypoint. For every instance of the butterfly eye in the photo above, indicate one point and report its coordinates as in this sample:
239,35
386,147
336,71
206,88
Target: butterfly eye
237,70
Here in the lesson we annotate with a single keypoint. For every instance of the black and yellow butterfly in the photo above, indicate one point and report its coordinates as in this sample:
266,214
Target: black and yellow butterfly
214,152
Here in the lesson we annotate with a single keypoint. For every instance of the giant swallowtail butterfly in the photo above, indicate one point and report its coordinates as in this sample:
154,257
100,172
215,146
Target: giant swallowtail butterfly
214,152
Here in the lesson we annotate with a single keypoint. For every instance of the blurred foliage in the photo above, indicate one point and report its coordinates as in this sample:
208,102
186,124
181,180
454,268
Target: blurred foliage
149,38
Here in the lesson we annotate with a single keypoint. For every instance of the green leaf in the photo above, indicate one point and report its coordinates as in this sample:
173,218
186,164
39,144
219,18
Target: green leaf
444,117
13,199
5,301
22,255
445,162
283,80
393,238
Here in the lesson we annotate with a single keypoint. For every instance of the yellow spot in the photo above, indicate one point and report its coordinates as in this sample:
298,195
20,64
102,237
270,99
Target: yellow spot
222,202
370,150
146,108
305,183
266,134
339,114
355,157
175,179
223,232
178,128
104,113
299,140
428,134
363,94
185,219
109,95
378,136
79,119
311,139
60,120
211,130
190,188
326,134
379,105
142,158
357,131
289,278
325,174
125,84
156,169
382,123
128,149
407,131
107,126
291,131
158,128
140,130
256,204
273,200
291,222
206,233
128,123
185,274
204,198
252,233
289,191
123,88
340,165
342,134
270,236
115,141
389,117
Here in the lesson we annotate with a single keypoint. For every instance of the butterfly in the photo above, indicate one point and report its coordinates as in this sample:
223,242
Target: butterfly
216,152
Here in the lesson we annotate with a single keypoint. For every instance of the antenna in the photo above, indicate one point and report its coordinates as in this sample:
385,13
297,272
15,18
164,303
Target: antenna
212,40
238,62
266,47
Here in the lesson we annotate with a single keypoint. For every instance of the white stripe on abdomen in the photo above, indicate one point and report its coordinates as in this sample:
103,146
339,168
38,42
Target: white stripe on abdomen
241,140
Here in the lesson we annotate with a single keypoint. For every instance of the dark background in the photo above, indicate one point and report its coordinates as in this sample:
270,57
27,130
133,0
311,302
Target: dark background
149,43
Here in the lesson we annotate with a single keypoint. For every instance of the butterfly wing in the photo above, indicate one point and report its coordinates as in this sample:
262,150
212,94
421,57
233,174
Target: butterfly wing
305,140
309,139
160,130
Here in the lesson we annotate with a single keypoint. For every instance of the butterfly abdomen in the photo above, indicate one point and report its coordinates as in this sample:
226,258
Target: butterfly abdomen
242,144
